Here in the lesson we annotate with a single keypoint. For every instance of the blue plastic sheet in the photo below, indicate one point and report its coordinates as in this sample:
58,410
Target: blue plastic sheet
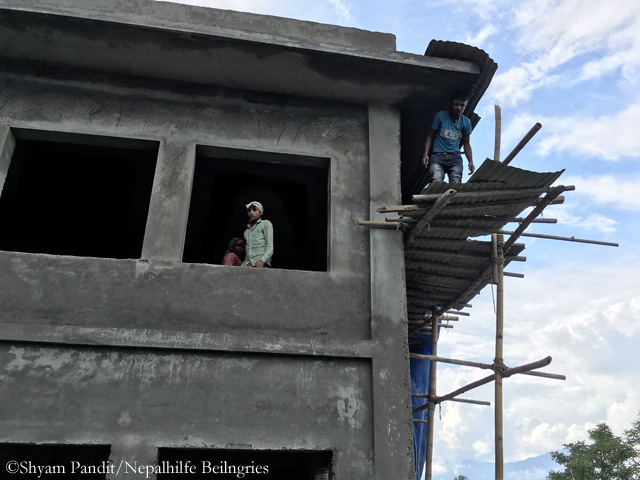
420,371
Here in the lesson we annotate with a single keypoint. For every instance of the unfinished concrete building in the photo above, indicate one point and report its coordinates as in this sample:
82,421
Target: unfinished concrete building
132,134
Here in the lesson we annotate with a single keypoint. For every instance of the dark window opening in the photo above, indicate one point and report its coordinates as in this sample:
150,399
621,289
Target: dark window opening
292,189
29,461
77,195
263,464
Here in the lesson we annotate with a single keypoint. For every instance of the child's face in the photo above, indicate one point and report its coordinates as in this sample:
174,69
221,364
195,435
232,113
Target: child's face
253,213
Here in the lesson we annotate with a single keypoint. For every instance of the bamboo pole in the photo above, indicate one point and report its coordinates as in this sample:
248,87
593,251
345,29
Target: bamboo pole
418,210
566,239
442,201
548,199
518,192
370,223
515,275
449,396
431,405
522,143
523,369
460,400
496,148
537,220
498,240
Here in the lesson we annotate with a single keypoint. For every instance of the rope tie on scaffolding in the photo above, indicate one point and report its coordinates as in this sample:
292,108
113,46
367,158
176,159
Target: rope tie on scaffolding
499,367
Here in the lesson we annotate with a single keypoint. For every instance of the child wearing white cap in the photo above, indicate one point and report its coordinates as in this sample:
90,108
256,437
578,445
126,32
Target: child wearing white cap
258,237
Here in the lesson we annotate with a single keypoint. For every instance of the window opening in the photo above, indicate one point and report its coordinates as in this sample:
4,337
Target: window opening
79,195
293,190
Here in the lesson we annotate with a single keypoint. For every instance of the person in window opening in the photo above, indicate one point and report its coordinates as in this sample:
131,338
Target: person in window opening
449,129
235,253
258,237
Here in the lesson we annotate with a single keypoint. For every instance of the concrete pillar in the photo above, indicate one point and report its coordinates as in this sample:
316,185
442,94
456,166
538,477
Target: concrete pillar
7,145
169,207
393,446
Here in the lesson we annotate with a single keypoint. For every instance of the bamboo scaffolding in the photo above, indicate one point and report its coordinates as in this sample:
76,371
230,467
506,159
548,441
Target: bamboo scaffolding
508,372
441,202
486,366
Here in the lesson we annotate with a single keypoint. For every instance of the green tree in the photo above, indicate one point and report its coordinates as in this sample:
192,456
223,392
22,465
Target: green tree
461,477
608,458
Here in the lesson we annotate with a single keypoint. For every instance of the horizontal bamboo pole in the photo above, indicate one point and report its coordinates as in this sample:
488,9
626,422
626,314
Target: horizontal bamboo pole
516,275
529,366
485,366
465,314
449,318
515,259
553,376
537,220
566,239
460,400
453,361
446,253
370,223
484,194
403,218
428,327
419,210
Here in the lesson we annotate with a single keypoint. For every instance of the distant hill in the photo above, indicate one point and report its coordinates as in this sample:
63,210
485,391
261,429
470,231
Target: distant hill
534,468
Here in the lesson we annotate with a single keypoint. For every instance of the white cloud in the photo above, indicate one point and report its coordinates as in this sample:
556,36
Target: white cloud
482,448
551,34
479,39
621,192
343,11
582,136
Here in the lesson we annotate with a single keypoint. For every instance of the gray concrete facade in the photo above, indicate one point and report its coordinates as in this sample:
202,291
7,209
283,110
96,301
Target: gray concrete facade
153,352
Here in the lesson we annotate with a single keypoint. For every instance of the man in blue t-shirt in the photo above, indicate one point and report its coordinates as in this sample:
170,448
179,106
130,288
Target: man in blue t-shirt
448,130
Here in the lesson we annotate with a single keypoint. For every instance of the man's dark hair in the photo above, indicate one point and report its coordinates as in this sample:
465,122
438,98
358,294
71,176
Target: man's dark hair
459,97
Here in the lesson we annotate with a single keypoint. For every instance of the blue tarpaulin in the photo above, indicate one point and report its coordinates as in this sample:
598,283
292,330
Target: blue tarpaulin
420,371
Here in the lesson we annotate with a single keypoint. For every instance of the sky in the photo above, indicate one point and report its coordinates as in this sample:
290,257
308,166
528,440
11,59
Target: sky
573,66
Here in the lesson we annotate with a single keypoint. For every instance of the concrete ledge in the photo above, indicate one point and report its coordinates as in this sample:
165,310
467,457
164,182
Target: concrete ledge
213,21
172,340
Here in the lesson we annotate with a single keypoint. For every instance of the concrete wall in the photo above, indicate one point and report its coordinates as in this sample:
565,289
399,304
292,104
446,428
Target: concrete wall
266,359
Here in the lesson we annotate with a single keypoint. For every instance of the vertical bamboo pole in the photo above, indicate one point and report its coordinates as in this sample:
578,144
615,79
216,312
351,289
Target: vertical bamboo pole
496,148
432,394
499,240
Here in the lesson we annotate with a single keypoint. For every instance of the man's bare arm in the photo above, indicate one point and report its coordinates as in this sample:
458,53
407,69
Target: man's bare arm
466,147
427,146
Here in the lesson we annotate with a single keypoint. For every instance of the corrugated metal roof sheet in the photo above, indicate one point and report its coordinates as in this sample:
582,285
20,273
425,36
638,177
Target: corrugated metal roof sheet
445,267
